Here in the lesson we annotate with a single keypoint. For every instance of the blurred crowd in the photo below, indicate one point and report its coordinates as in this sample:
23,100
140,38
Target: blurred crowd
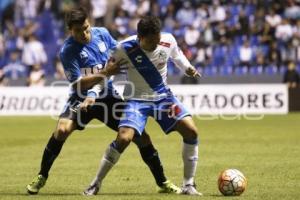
219,37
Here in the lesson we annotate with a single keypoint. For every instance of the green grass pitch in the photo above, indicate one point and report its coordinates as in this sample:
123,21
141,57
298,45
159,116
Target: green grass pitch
267,151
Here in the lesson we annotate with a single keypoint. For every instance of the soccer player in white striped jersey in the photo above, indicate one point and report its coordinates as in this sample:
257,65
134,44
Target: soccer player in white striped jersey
147,55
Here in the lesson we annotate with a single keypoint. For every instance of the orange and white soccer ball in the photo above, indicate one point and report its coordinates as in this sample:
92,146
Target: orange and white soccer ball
232,182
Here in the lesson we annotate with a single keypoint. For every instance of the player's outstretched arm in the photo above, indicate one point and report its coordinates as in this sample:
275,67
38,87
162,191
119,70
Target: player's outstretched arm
87,82
180,59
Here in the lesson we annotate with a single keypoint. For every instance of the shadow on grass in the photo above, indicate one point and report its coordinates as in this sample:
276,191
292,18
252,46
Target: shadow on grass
40,194
221,196
77,194
48,194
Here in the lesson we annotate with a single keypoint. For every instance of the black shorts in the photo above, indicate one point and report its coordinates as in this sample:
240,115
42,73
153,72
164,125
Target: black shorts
108,110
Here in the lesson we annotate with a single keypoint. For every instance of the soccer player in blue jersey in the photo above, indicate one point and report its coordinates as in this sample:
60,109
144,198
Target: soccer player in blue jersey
147,54
85,57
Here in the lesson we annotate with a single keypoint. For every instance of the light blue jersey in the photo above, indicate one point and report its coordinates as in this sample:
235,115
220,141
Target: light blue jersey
84,59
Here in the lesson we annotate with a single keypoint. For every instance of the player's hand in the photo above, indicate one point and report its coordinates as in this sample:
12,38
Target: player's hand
89,101
191,71
114,67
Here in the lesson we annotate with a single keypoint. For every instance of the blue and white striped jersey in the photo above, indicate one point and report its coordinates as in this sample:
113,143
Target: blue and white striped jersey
147,71
83,59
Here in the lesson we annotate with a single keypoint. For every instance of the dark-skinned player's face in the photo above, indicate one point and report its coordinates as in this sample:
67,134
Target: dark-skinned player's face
81,32
149,42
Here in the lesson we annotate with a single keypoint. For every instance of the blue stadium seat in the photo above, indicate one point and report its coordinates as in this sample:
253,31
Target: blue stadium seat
234,9
249,9
226,70
230,61
254,40
256,70
298,68
232,21
264,49
218,55
271,70
238,40
200,70
282,69
231,56
210,71
241,70
172,69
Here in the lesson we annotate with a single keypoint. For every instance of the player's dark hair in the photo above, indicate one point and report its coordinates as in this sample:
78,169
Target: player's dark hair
148,25
75,16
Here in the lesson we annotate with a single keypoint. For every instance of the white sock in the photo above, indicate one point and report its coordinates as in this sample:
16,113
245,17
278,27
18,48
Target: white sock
109,159
190,160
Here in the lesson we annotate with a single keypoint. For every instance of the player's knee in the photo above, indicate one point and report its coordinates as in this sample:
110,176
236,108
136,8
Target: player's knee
124,138
190,133
62,133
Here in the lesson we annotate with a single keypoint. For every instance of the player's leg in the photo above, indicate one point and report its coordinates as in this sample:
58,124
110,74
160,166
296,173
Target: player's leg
148,152
188,130
125,135
172,116
66,124
151,158
63,129
113,153
110,158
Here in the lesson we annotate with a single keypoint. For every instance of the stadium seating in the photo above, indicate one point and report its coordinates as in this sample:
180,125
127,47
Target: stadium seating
226,35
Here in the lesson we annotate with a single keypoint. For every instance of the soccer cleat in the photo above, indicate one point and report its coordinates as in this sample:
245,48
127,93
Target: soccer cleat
91,190
37,183
190,190
169,187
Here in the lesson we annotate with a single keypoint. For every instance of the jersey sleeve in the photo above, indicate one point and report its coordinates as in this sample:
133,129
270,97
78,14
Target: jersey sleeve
119,54
112,43
95,90
71,66
177,55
